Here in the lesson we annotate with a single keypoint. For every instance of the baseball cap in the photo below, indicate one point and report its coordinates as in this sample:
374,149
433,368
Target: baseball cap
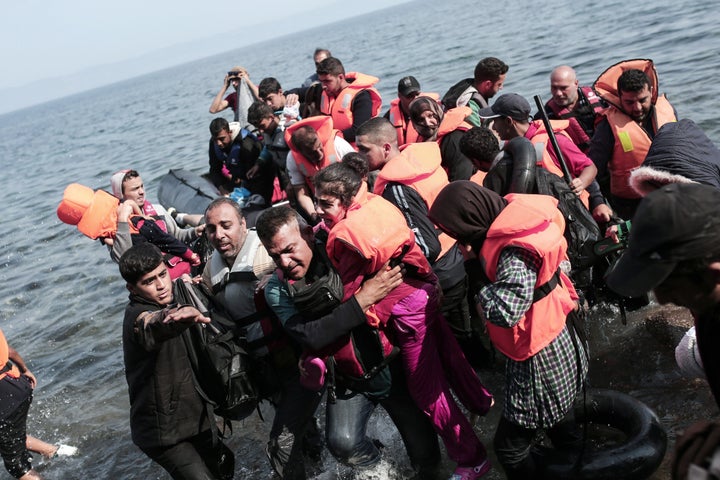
508,105
674,223
408,85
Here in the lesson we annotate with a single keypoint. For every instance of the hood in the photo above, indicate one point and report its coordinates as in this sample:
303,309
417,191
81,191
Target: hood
680,153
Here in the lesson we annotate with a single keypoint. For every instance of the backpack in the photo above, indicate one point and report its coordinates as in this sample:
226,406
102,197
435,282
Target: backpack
221,366
516,172
451,97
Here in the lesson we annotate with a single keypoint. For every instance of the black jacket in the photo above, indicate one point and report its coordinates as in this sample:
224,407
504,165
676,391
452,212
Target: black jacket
165,408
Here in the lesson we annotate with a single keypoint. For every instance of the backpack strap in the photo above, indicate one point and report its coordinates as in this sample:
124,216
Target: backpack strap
544,290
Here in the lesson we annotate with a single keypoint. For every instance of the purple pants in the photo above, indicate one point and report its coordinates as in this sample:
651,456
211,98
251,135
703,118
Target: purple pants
434,363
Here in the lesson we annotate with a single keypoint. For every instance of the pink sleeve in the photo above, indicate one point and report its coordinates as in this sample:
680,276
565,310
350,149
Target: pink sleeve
576,160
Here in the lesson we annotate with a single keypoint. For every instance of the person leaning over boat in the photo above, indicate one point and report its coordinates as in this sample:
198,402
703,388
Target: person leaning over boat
238,150
232,78
623,136
300,258
527,303
169,420
314,144
350,99
128,185
579,105
232,273
674,250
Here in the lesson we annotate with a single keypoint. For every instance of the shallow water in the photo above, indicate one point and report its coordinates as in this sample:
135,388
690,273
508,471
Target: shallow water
62,299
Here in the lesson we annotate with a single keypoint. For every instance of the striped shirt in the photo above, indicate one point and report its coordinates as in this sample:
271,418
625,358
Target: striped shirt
539,391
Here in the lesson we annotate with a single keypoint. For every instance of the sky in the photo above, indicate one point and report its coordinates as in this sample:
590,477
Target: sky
52,39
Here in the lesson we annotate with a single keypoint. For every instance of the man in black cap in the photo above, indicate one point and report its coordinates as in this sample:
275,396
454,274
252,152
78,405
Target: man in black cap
674,250
399,113
511,118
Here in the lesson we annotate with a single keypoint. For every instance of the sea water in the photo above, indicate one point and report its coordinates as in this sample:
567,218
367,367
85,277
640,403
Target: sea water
62,297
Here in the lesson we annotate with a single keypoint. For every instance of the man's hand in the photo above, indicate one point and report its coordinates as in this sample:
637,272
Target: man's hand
577,186
200,229
185,314
602,213
376,288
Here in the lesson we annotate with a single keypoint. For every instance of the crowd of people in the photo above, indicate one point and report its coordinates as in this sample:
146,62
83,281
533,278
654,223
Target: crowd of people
397,266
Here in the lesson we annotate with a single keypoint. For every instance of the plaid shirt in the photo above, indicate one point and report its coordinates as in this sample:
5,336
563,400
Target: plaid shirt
540,390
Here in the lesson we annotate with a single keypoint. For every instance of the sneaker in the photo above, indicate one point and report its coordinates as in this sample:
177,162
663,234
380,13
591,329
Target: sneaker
66,451
471,473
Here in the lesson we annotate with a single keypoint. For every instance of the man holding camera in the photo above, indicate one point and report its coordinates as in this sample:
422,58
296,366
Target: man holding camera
221,102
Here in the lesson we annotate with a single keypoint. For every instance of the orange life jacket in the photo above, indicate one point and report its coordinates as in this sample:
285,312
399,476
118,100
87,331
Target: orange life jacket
94,213
547,162
534,223
606,83
12,370
376,230
340,107
631,141
632,144
326,133
419,167
454,119
406,132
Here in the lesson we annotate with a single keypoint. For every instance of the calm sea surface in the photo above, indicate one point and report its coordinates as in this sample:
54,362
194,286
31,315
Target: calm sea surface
62,298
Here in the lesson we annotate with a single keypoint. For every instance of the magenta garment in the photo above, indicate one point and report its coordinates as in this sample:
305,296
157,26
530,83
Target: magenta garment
434,363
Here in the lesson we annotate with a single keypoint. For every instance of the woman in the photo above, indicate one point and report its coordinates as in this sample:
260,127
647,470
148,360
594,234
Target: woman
525,298
365,231
445,128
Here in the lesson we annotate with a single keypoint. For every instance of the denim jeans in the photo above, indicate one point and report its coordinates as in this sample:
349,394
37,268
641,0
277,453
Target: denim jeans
347,419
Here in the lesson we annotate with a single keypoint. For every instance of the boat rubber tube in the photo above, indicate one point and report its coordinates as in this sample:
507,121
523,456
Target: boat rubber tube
186,191
523,156
637,457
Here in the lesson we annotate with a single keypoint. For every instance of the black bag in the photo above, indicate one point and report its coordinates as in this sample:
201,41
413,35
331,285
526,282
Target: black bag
449,100
221,366
324,291
581,230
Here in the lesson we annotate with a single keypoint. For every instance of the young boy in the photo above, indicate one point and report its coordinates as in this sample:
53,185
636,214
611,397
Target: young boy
169,420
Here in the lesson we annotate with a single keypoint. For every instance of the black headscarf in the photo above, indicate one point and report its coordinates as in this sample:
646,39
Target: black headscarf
465,210
420,105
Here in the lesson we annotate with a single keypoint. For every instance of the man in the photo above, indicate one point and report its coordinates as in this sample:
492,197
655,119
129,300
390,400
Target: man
16,392
674,250
169,420
275,149
349,99
319,55
481,146
399,112
623,137
270,92
233,77
476,92
580,105
411,180
232,273
511,113
238,150
314,144
128,186
291,243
